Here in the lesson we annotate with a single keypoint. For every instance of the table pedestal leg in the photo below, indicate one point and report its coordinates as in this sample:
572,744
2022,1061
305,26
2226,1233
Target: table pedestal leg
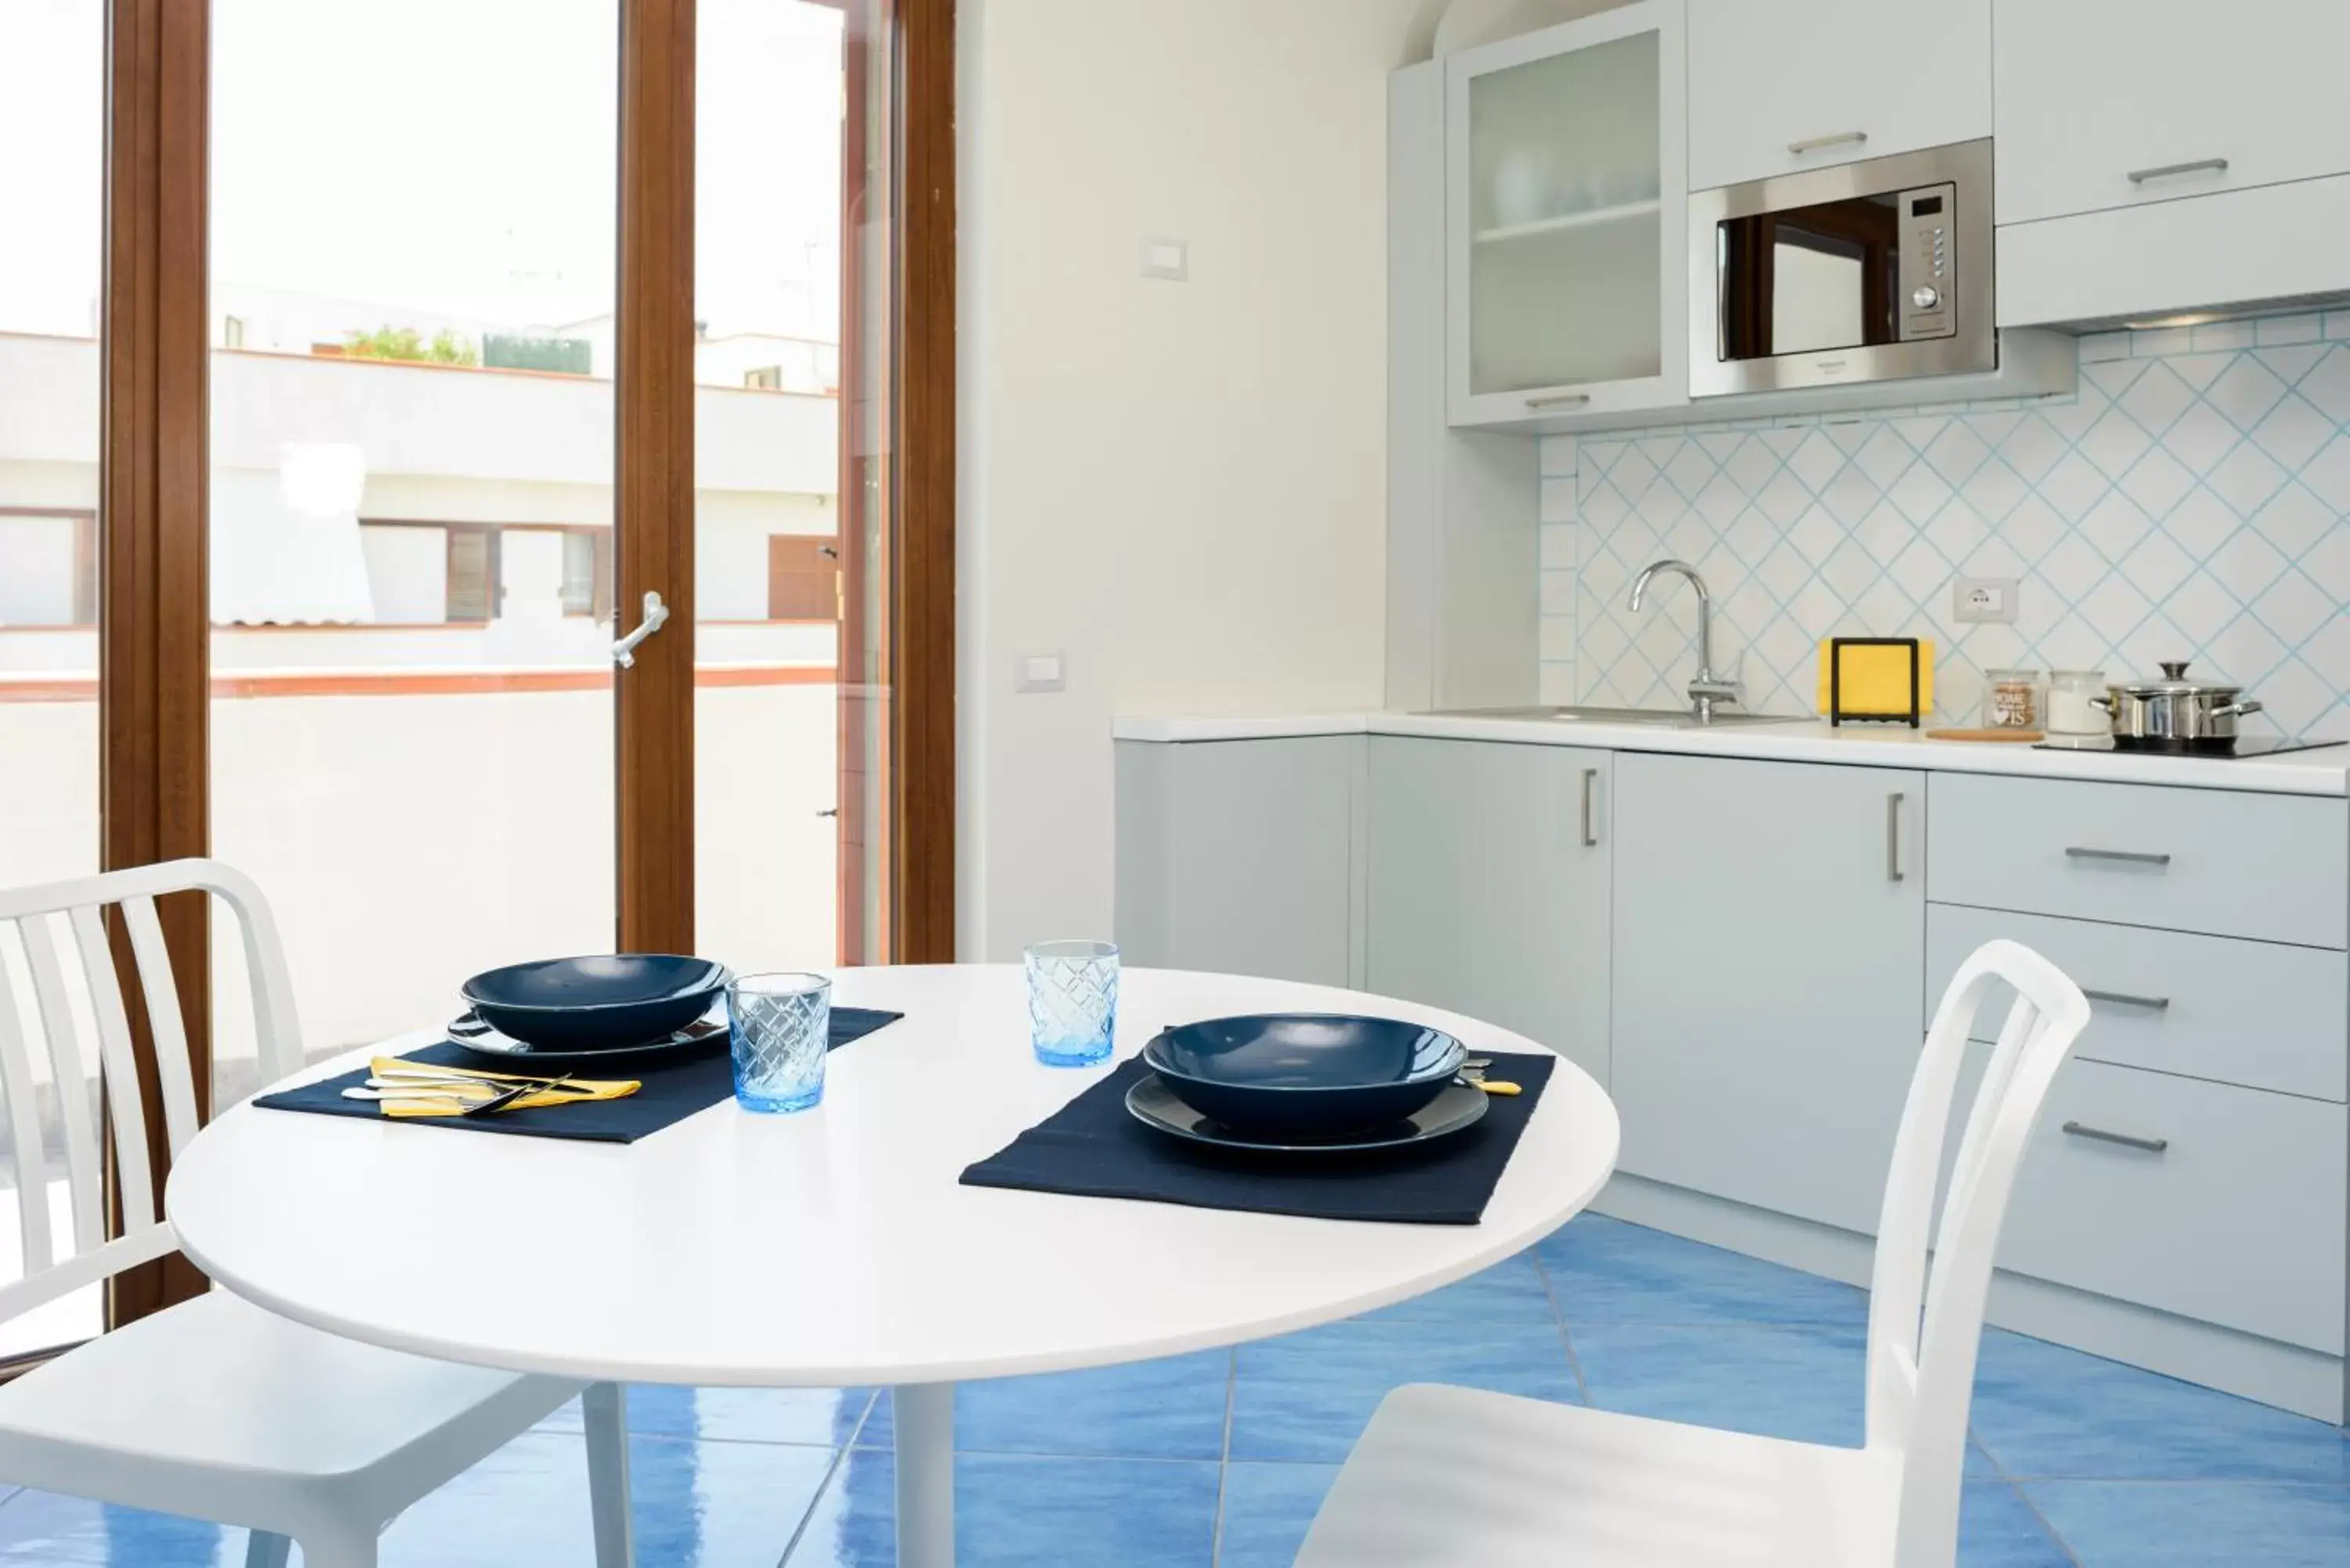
923,1413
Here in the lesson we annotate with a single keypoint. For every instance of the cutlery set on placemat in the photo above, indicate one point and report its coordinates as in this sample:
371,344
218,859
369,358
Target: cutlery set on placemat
1317,1115
606,1048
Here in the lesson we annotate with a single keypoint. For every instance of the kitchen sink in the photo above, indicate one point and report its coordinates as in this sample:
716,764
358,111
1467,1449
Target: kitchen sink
1660,718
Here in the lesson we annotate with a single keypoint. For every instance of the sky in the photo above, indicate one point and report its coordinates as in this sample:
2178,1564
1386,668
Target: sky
447,157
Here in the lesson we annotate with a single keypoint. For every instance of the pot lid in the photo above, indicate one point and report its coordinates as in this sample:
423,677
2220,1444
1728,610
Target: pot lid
2174,683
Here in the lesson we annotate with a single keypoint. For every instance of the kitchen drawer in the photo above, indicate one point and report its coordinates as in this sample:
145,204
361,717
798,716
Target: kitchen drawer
2260,1014
2275,867
2238,1220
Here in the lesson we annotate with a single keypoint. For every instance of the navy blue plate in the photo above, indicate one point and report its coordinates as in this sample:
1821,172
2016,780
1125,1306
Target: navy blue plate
1304,1075
611,1001
1456,1108
704,1036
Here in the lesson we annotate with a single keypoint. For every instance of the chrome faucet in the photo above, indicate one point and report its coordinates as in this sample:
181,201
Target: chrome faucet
1706,689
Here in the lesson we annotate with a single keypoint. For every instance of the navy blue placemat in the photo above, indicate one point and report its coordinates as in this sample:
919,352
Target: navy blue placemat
1094,1147
670,1094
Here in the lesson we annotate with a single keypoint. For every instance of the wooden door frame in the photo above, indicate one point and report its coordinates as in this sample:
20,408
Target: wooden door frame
922,598
652,479
914,677
154,589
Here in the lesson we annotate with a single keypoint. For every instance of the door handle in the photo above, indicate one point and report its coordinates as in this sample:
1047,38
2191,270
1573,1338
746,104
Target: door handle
1590,786
2124,999
1560,400
1893,872
2130,857
1821,143
2128,1140
2164,171
829,811
624,652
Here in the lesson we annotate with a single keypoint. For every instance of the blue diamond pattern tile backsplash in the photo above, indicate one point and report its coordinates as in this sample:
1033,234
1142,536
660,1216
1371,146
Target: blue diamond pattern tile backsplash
2191,501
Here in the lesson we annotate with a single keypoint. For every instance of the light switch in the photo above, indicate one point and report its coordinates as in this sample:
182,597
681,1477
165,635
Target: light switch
1169,259
1041,672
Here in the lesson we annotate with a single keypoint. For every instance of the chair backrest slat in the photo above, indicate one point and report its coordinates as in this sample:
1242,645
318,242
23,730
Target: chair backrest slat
171,1037
82,903
1924,1330
76,1115
126,1103
24,1130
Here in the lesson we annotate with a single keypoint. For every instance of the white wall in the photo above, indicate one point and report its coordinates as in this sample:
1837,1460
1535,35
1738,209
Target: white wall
1180,486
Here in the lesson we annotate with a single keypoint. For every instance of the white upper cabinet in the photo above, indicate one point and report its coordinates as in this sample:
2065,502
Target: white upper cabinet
1566,193
2115,103
1780,86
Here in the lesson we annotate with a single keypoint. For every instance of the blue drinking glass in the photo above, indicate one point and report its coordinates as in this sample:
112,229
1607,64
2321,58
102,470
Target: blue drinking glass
1072,1001
780,1026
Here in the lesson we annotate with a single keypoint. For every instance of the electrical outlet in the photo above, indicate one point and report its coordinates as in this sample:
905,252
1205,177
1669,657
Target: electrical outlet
1979,599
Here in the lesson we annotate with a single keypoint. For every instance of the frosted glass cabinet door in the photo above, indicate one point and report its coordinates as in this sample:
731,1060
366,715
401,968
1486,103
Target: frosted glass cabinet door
1568,172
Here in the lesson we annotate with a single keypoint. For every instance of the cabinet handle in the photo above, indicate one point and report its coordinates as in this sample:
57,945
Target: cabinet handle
1590,785
2124,999
1821,143
1560,400
2128,1140
2131,856
1893,837
2164,171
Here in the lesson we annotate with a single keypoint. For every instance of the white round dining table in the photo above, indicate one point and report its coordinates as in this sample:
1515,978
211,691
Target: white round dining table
834,1247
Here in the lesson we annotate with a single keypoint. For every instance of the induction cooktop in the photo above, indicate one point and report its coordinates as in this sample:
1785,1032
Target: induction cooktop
2250,746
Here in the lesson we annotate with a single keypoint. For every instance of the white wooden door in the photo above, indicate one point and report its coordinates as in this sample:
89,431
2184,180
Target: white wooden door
1489,886
1566,214
1770,949
1794,85
2089,93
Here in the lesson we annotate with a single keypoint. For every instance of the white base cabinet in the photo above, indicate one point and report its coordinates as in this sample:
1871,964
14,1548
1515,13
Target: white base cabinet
1243,856
1770,940
1489,886
1744,952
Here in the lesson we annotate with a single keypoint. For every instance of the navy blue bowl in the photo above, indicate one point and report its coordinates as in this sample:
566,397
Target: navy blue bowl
606,1003
1307,1075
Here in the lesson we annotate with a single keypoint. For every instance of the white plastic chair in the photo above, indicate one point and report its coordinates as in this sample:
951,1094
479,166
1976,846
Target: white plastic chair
1461,1477
213,1408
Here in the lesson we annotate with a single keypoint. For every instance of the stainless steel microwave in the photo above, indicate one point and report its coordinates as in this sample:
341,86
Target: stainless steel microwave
1872,270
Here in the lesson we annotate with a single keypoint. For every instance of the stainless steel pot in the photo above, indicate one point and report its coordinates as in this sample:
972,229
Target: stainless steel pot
2174,713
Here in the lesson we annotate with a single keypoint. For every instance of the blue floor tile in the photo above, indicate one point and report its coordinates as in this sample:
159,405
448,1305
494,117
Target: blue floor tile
2122,1524
1267,1508
1017,1510
1803,1381
1171,1409
1998,1528
826,1416
719,1505
714,1505
1605,1271
1806,1382
2043,1410
1511,1293
41,1530
1308,1395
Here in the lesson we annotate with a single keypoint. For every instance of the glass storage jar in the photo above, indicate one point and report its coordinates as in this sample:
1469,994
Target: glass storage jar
2013,699
2070,710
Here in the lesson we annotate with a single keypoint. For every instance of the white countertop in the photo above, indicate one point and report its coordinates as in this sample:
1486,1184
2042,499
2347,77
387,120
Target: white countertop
2326,771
